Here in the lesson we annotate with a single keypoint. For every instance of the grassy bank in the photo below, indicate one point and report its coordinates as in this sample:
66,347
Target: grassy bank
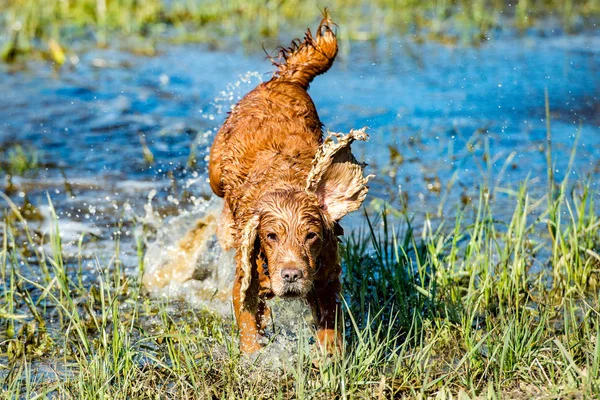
52,28
480,307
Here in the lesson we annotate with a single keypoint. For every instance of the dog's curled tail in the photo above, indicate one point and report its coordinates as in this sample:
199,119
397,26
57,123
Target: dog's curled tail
302,61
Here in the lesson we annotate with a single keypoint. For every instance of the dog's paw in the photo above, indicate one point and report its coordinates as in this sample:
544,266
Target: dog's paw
328,349
330,341
249,347
322,360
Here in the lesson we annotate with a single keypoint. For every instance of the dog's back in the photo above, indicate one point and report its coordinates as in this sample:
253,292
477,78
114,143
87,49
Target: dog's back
276,121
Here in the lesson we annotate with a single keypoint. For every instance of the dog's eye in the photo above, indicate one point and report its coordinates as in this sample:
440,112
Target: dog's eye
310,236
272,237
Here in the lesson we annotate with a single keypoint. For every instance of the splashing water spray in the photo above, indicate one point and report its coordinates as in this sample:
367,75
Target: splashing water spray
185,261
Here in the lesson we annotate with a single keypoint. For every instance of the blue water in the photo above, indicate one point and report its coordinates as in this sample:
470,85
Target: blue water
444,122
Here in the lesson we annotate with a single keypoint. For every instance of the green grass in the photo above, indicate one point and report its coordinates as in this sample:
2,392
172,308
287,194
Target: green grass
53,28
17,160
481,307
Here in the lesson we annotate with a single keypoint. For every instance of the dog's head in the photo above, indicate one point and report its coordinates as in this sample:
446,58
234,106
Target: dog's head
292,232
291,227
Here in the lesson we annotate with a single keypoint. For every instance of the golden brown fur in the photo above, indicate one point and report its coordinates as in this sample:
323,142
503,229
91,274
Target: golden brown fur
285,190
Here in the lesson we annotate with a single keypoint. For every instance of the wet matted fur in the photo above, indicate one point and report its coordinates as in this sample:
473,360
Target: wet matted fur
285,190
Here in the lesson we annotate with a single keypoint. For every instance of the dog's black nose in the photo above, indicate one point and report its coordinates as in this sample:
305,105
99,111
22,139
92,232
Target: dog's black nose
291,274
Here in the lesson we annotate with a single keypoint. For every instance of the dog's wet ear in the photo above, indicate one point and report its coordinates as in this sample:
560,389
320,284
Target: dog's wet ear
247,249
336,177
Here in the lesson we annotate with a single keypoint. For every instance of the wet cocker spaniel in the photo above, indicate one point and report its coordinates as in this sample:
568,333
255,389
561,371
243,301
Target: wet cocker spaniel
285,189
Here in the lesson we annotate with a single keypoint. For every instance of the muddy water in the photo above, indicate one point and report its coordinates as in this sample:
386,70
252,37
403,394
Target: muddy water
445,122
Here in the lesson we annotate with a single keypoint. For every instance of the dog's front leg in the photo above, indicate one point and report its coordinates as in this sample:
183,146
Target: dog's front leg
325,305
247,315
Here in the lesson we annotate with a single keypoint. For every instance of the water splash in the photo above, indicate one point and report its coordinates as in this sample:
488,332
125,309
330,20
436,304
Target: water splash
185,261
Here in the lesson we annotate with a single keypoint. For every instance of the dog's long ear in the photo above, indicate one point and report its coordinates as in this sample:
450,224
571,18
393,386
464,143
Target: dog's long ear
247,253
336,177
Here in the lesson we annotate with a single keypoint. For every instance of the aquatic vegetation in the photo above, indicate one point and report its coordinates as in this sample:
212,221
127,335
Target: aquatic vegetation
50,28
429,311
17,160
